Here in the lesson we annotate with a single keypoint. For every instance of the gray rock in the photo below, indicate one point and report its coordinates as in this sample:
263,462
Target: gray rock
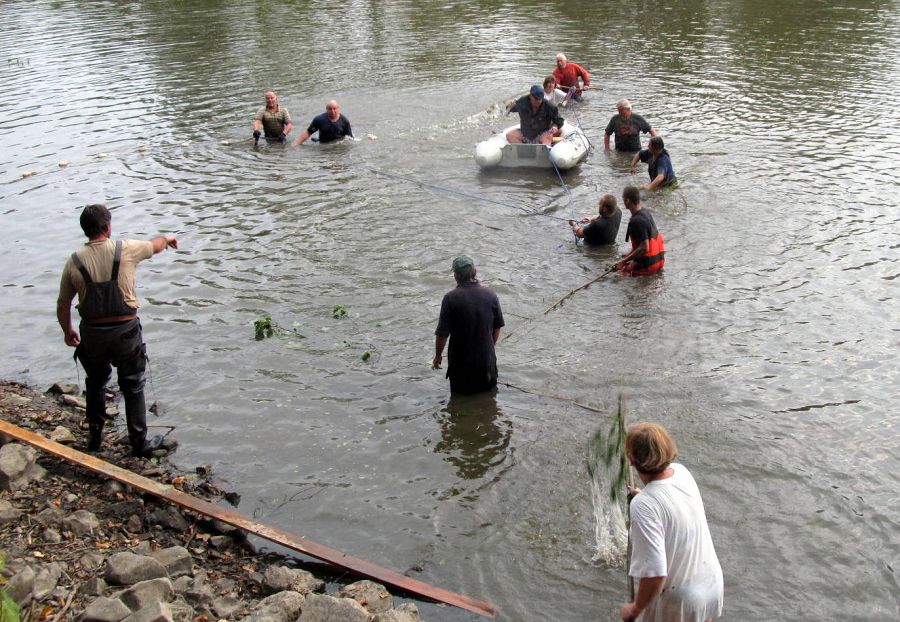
45,580
20,585
226,606
51,535
105,609
134,524
18,467
372,596
111,412
91,561
81,523
199,595
225,528
111,488
62,388
220,542
143,594
322,608
406,612
93,587
182,584
70,498
168,517
181,611
157,408
176,560
157,612
8,513
74,401
62,435
169,443
281,578
225,585
281,607
144,548
128,569
50,517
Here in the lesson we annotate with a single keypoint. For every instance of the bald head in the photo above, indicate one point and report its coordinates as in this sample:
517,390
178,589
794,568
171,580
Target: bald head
271,100
561,60
333,110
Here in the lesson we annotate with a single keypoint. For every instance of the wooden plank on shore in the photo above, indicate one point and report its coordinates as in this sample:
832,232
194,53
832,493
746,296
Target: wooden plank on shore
273,534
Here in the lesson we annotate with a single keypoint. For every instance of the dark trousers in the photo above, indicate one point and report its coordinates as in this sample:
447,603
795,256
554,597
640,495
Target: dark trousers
469,380
121,345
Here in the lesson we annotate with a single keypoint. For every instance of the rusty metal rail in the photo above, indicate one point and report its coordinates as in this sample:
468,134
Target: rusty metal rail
273,534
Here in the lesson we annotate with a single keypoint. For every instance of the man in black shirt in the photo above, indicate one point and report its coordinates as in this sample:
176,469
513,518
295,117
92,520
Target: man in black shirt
600,229
539,120
331,125
648,247
471,319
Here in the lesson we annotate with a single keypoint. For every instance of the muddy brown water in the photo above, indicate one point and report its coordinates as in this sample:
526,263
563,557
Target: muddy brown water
768,346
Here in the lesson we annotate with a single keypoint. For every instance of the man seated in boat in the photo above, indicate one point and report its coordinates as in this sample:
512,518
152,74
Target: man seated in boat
539,120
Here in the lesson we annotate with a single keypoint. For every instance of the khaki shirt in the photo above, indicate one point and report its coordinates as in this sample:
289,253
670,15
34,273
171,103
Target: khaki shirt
97,257
274,122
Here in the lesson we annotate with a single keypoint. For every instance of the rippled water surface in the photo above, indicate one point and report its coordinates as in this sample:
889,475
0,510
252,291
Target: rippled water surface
768,346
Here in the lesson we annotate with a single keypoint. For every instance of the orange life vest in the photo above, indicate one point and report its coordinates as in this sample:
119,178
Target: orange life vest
655,258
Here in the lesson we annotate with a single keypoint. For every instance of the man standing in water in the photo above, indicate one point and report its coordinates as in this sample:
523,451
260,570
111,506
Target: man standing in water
539,120
603,228
648,248
102,273
331,125
275,120
471,318
672,557
627,127
567,75
659,164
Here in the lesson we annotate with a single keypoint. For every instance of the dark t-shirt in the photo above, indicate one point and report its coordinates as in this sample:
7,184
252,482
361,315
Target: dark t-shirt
641,227
662,165
329,130
469,315
533,124
627,131
603,230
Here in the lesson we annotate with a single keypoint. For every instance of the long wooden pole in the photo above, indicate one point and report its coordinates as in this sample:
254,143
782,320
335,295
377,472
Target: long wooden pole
273,534
559,302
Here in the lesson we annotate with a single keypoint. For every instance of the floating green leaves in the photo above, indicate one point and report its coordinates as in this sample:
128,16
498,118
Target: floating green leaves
265,327
366,355
339,312
608,450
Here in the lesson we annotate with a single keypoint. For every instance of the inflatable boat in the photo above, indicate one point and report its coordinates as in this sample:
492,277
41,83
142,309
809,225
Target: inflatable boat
568,149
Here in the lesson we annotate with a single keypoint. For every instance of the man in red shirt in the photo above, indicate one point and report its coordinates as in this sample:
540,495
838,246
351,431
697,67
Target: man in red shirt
567,75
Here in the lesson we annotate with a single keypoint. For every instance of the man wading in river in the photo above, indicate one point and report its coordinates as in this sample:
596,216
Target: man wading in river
102,274
471,318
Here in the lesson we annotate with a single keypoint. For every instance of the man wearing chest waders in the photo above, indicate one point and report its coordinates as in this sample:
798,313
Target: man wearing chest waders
102,274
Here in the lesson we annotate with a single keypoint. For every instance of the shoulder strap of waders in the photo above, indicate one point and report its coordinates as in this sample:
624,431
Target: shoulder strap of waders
84,273
117,259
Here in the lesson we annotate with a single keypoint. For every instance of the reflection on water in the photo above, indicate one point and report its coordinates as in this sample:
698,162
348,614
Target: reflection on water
474,434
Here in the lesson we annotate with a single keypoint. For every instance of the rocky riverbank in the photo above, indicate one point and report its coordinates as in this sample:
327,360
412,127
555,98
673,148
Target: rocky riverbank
78,546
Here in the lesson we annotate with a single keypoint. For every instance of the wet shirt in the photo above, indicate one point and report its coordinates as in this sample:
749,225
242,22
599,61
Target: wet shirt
670,538
97,257
569,76
273,121
662,165
641,227
469,315
329,130
532,123
627,131
603,230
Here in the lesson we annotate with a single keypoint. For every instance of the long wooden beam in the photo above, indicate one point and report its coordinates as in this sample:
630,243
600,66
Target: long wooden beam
273,534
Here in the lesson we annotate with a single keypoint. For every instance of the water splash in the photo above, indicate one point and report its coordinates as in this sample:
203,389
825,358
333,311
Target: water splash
610,533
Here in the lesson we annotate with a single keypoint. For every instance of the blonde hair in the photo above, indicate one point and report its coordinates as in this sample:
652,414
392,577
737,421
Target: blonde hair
649,447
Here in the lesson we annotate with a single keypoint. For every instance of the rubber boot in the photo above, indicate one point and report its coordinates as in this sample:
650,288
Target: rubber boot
148,447
95,435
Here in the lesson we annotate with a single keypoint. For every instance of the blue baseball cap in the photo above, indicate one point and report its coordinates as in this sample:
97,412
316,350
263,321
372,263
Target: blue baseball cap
537,91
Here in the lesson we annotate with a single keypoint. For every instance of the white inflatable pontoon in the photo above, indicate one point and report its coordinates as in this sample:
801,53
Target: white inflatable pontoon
570,148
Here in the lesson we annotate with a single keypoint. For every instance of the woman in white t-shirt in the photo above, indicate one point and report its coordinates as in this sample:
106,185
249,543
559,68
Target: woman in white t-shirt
552,94
672,557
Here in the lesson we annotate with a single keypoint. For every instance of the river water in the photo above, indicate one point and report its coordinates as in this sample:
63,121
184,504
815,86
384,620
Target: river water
768,346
